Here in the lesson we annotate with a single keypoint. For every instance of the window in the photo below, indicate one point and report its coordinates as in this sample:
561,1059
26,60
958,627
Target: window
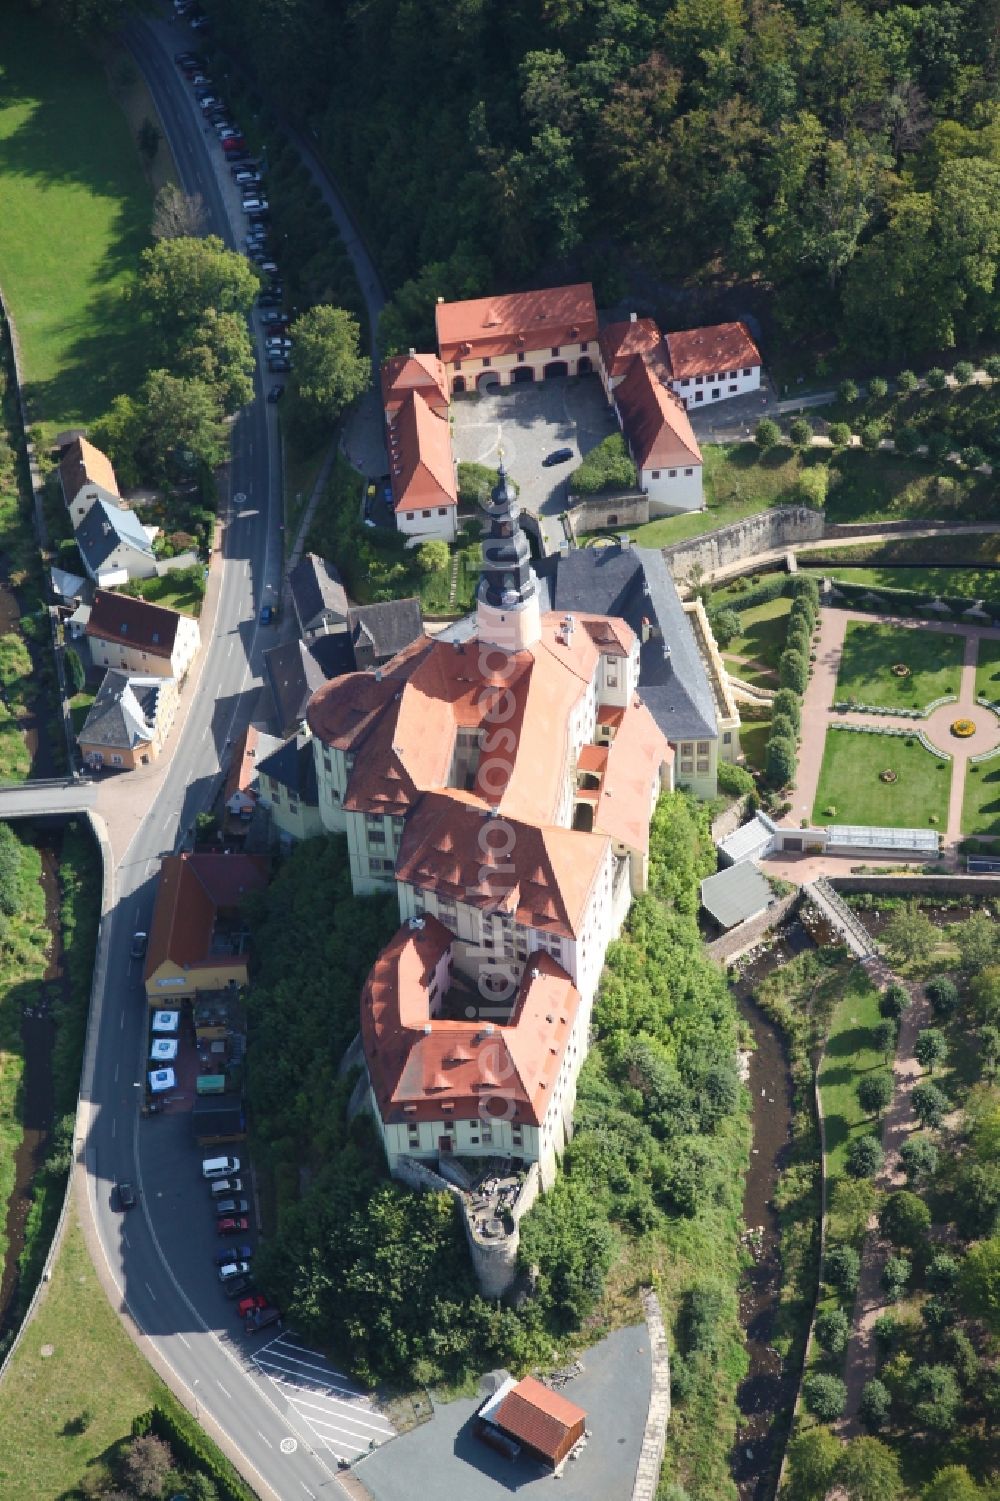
703,747
517,1135
655,474
425,513
413,1136
671,474
555,351
687,767
703,768
409,515
457,365
376,836
716,393
612,677
686,381
584,345
689,472
732,389
733,374
520,357
748,372
699,396
698,379
727,738
293,803
487,361
116,760
442,510
487,1132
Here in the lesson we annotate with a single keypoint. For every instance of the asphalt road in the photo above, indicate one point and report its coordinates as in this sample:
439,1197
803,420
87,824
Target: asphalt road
158,1254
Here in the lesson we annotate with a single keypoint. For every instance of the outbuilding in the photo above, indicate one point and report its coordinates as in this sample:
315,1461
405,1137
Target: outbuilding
534,1419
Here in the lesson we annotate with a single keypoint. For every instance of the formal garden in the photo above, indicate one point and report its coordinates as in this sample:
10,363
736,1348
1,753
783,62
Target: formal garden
889,780
894,668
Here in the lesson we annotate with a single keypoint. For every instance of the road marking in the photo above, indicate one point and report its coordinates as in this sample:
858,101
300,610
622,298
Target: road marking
122,1020
300,1404
126,1239
114,1127
222,1389
151,1292
306,1488
265,1438
116,1069
183,1340
289,1445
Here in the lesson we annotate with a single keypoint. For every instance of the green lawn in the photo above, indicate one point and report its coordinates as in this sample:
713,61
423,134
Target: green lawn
79,707
988,671
850,782
739,481
15,761
765,628
753,740
849,1054
981,800
175,591
870,651
966,583
76,212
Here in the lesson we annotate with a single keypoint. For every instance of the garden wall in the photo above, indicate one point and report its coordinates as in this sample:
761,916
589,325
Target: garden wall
918,885
746,935
768,531
593,512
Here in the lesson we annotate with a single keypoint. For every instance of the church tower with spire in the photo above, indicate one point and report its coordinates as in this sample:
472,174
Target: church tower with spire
507,610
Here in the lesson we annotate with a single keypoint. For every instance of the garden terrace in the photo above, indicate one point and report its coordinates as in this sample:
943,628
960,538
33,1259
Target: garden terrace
933,664
850,782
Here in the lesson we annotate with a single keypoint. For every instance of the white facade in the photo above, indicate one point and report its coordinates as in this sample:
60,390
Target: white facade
720,385
130,655
85,498
673,491
430,524
527,365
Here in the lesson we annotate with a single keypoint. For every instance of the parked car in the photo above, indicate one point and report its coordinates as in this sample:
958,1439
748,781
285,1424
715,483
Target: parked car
219,1167
276,393
201,80
233,1253
237,156
278,364
209,102
227,132
234,144
224,1188
278,343
127,1196
234,1269
274,322
246,177
269,297
269,267
233,1225
266,615
262,1318
227,1207
201,23
183,59
246,1306
254,205
137,947
238,1287
557,456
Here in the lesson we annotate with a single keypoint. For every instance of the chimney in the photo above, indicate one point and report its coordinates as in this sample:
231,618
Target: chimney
633,317
378,674
440,299
413,352
667,663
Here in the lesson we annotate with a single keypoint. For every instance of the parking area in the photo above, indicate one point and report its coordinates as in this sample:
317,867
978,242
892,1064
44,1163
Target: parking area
339,1415
529,422
443,1459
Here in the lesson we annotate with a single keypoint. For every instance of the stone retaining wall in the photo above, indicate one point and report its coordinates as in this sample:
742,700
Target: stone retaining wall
654,1439
767,531
746,935
918,885
592,513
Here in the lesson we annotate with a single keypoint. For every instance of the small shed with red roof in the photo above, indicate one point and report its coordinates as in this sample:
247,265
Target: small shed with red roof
544,1424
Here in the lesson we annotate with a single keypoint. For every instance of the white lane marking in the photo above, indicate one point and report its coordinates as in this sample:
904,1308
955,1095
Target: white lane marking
327,1370
183,1341
151,1292
265,1438
121,1022
222,1389
116,1073
300,1402
316,1388
114,1127
125,1239
306,1488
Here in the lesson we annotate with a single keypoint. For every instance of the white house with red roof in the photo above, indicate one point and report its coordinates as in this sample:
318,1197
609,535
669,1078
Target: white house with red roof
700,365
418,440
660,437
520,336
504,784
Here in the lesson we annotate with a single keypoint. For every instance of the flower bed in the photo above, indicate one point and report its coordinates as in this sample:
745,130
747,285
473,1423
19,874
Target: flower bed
963,728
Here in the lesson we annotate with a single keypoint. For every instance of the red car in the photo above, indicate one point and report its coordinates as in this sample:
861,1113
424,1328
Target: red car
234,143
234,1225
246,1306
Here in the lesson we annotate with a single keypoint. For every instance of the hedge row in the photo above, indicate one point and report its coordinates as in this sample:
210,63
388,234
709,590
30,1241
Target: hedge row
907,601
781,751
772,586
191,1448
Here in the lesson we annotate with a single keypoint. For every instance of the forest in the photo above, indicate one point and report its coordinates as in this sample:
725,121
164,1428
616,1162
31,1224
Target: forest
832,166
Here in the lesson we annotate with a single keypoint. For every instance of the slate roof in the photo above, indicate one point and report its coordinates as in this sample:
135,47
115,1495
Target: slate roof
297,668
102,530
136,622
316,588
123,714
388,626
293,765
635,583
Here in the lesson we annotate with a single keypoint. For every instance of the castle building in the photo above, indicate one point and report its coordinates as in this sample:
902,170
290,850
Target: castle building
504,785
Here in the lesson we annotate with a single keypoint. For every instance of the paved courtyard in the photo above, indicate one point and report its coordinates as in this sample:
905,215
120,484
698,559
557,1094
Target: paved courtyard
529,422
442,1460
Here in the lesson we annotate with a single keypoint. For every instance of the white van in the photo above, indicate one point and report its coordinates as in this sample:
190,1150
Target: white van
223,1187
219,1167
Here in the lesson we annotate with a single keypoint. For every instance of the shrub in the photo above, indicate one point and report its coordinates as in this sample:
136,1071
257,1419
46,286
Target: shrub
609,466
933,1390
907,381
919,1158
839,434
875,1092
783,728
793,671
813,486
991,365
871,434
735,780
832,1330
973,457
726,625
937,1313
788,704
700,1315
875,1405
904,1219
824,1396
936,378
767,434
847,391
942,1272
895,1276
907,439
801,432
885,1328
779,761
942,994
842,1269
930,1104
977,1199
963,371
865,1157
878,387
894,1000
76,676
804,586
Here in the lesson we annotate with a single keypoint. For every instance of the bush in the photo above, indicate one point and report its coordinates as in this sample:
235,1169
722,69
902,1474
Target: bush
894,1000
907,381
793,671
767,434
885,1328
963,371
871,435
991,365
701,1312
783,728
972,457
726,625
813,486
801,432
191,1449
936,378
839,434
933,1390
895,1276
804,586
609,466
842,1269
878,388
824,1396
76,676
875,1405
832,1330
942,994
779,761
847,392
907,440
875,1092
735,780
942,1272
788,704
865,1157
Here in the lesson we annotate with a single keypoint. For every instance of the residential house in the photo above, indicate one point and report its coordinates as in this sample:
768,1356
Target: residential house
504,784
620,343
422,471
198,939
286,778
378,632
86,475
129,720
297,669
140,637
114,545
242,789
713,363
660,438
318,595
423,373
522,336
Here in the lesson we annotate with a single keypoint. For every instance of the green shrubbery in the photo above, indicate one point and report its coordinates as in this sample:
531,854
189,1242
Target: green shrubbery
609,466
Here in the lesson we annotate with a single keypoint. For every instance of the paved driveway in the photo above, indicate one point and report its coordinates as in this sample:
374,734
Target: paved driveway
528,422
442,1460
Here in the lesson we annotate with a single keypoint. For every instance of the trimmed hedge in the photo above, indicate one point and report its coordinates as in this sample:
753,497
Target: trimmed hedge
903,600
191,1447
773,586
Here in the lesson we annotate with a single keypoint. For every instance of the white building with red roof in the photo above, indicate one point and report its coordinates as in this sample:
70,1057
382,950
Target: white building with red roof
660,437
504,784
519,336
422,470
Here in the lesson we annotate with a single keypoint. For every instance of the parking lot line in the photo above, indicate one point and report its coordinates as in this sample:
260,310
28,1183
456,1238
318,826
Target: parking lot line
327,1370
338,1411
317,1389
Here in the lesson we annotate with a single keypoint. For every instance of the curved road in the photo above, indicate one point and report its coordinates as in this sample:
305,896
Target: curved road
157,1256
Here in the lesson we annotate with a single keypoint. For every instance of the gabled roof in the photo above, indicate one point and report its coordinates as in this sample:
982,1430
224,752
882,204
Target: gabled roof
250,748
621,342
711,350
83,464
298,669
293,766
107,526
736,893
633,763
421,466
518,321
123,714
133,622
191,891
656,425
539,1418
387,626
317,589
418,1063
403,373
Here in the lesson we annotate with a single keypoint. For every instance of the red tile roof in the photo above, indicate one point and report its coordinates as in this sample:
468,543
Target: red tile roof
657,426
419,1063
636,759
621,342
243,767
711,350
403,373
515,323
133,622
191,891
83,464
421,466
540,1419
